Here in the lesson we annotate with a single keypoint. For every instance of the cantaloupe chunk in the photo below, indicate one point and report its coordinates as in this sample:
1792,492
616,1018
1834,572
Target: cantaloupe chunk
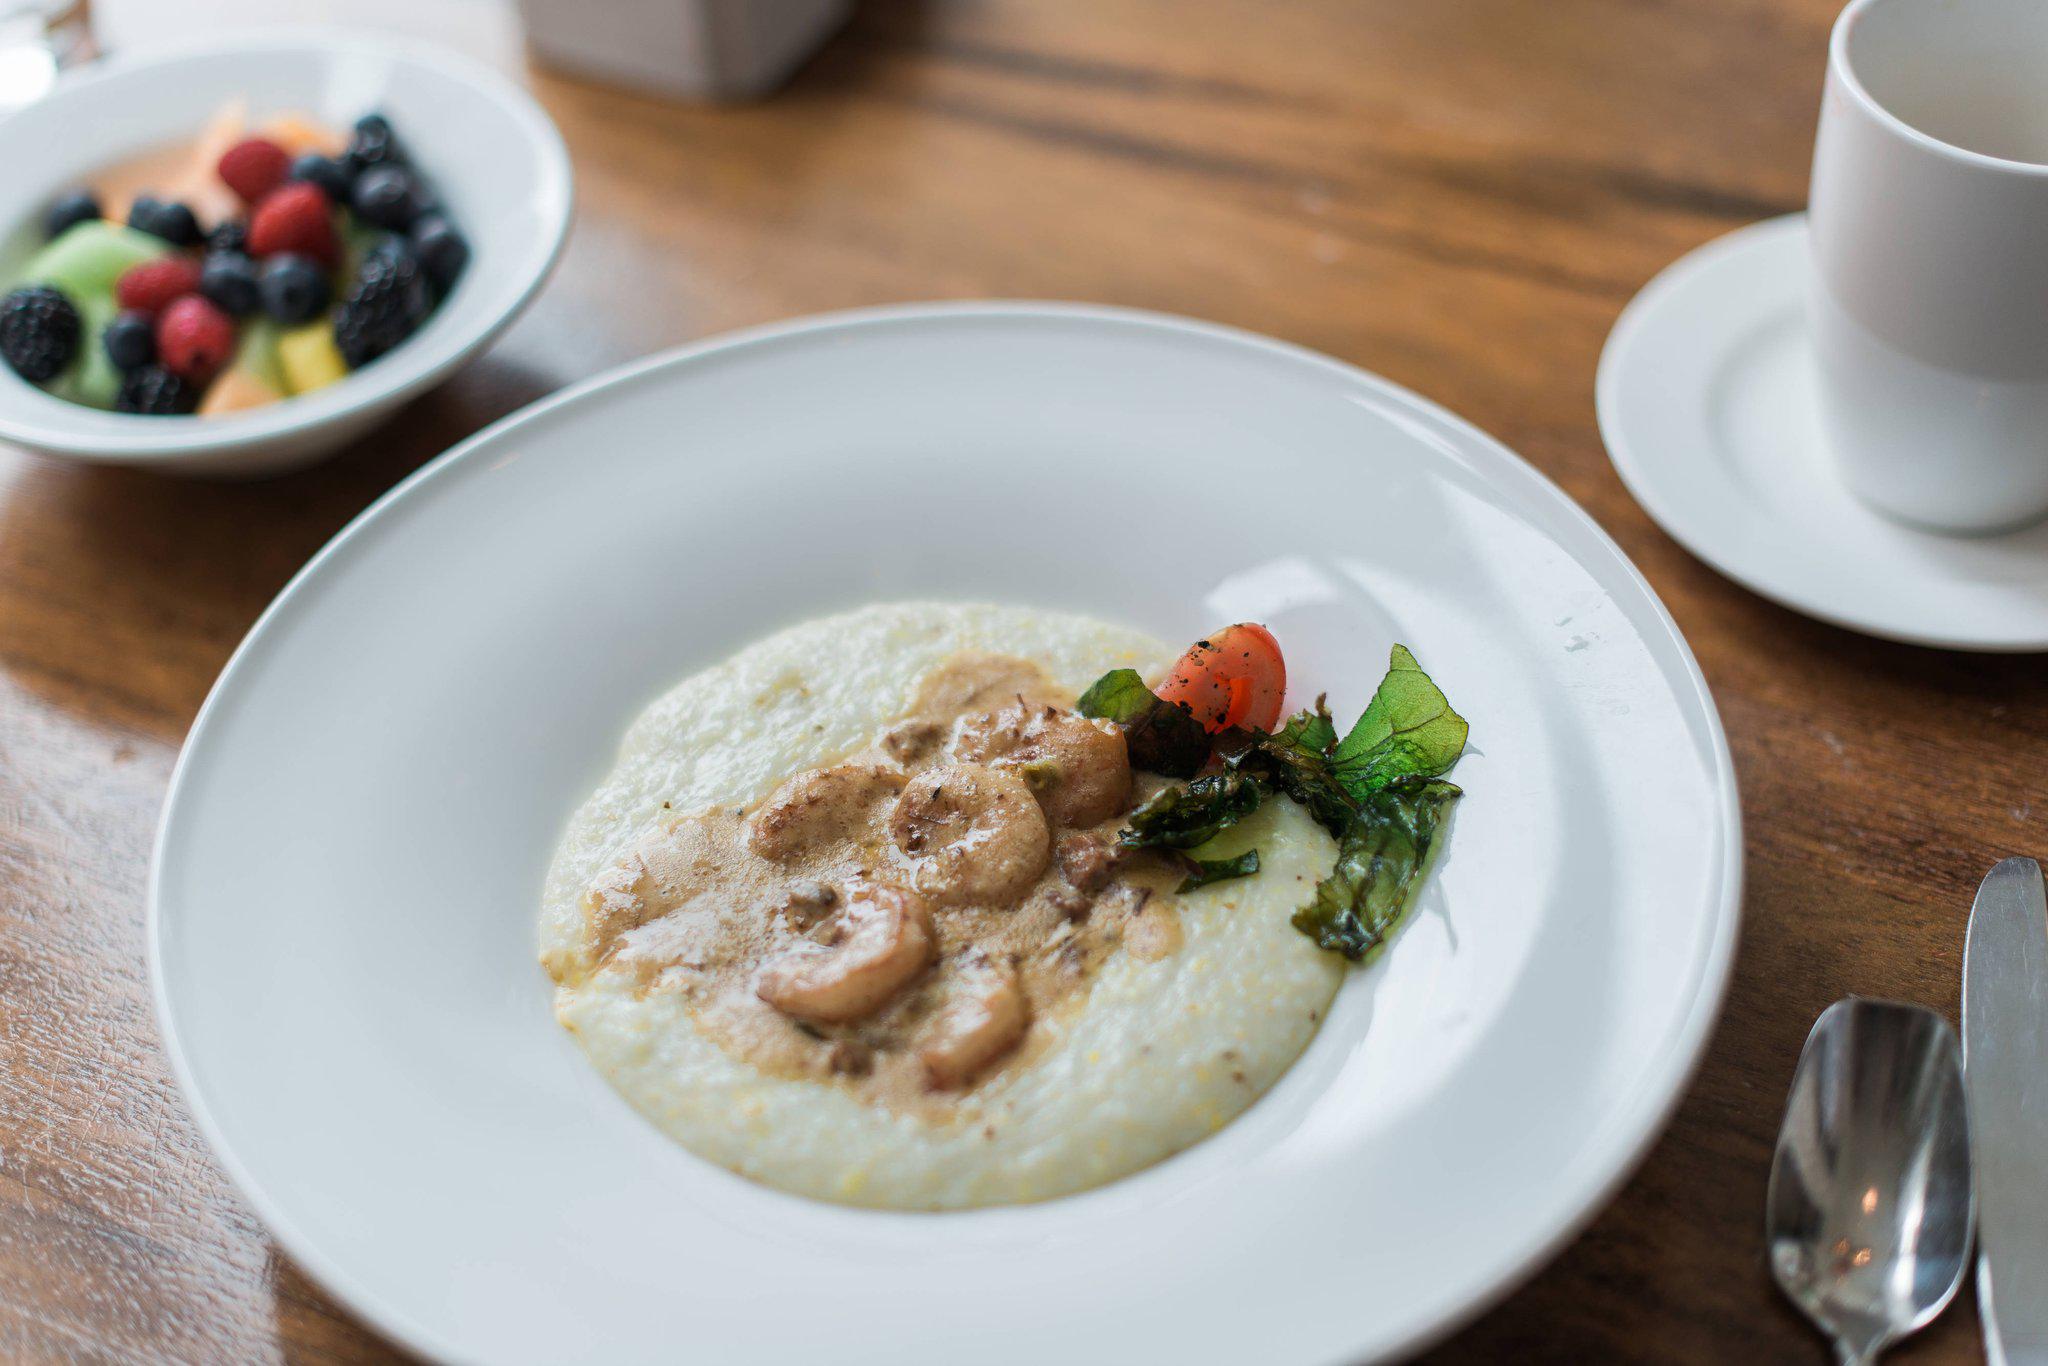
236,391
300,133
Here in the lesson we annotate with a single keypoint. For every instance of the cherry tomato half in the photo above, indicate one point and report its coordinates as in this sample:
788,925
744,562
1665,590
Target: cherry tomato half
1235,677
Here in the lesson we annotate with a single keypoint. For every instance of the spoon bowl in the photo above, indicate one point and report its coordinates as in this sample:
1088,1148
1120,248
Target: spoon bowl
1870,1212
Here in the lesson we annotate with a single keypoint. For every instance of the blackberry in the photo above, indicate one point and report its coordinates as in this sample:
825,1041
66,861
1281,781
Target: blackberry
39,331
382,307
155,392
230,237
374,144
68,211
390,244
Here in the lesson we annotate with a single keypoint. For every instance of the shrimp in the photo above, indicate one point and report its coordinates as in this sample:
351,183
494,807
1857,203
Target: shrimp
984,1019
821,807
976,833
884,940
1080,769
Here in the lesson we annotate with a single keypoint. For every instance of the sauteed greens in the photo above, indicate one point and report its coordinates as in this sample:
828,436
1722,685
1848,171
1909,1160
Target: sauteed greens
1378,791
1164,737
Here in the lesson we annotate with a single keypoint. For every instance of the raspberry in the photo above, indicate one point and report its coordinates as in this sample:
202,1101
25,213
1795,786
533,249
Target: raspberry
194,339
151,286
253,167
295,217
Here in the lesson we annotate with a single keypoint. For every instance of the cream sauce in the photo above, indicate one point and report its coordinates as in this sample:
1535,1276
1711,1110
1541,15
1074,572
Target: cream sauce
955,824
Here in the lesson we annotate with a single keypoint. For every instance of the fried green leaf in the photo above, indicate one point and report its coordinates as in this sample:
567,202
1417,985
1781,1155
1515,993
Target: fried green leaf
1309,731
1294,761
1119,695
1203,871
1163,737
1183,817
1381,859
1408,730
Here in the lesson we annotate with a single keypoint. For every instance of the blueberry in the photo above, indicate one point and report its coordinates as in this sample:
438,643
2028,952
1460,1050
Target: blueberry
387,197
295,289
441,249
143,211
130,340
179,226
229,279
68,211
374,144
171,221
335,175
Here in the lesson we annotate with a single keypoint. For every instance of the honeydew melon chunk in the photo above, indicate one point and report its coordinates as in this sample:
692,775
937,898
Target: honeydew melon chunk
356,241
257,354
87,258
91,378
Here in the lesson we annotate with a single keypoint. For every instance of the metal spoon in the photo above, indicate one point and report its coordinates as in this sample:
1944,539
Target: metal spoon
1870,1212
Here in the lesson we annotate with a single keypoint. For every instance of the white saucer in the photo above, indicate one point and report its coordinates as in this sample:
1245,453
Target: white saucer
1707,405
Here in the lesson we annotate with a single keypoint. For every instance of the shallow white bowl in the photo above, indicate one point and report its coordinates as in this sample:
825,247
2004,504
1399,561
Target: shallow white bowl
346,887
492,154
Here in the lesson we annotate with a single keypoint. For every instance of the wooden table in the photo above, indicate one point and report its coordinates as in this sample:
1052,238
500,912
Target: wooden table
1459,194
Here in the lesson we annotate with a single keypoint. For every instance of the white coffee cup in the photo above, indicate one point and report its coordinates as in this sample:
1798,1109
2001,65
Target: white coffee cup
1929,220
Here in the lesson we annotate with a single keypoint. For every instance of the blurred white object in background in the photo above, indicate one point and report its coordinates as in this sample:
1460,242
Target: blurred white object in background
485,29
695,49
37,38
689,49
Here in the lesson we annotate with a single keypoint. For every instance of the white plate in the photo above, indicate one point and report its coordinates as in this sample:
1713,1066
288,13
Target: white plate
489,149
1708,408
344,894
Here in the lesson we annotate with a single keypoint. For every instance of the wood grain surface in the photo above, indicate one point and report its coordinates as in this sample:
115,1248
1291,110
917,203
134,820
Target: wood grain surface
1459,194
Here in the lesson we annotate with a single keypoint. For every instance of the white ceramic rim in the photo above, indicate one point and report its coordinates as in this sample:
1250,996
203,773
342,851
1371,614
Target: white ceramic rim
1618,1145
1678,519
1845,71
419,365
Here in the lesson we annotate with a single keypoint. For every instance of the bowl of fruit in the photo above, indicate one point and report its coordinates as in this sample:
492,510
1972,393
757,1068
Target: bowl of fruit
231,258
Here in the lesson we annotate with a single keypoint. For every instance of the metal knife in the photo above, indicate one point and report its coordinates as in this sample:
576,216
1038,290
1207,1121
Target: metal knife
2005,1061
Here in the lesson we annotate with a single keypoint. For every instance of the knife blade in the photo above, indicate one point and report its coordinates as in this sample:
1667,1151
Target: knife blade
2005,1082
